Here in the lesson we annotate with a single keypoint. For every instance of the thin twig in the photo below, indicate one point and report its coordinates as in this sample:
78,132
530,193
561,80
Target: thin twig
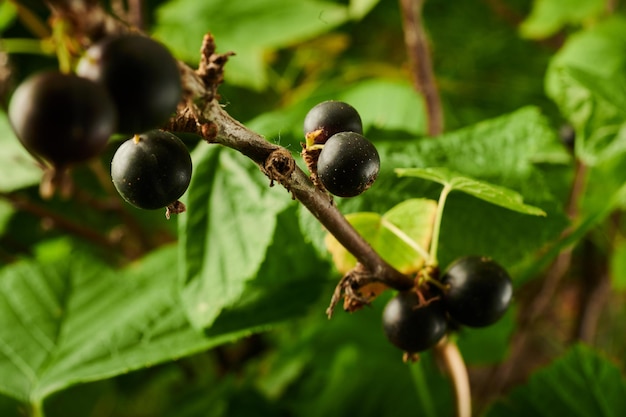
421,64
58,221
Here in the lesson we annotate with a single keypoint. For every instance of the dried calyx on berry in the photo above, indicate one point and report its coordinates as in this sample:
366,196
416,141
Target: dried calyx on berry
348,164
341,160
328,118
414,324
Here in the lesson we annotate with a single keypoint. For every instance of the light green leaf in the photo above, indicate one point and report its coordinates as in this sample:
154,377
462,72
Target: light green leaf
581,383
19,169
69,318
388,105
549,16
8,13
401,236
491,193
249,28
359,8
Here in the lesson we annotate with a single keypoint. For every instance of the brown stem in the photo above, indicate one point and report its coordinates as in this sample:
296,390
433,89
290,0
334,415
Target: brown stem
201,113
420,60
232,134
58,221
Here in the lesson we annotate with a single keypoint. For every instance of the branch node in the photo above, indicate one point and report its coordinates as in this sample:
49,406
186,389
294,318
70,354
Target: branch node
279,166
359,287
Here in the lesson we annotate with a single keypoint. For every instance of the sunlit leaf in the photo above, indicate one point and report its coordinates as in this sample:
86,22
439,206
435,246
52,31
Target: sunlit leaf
401,236
19,169
491,193
549,16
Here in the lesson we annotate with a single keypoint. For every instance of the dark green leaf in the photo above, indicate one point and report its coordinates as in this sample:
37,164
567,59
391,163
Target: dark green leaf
69,318
581,383
228,238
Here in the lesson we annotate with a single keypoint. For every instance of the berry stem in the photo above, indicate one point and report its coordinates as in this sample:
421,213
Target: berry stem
448,352
59,29
434,245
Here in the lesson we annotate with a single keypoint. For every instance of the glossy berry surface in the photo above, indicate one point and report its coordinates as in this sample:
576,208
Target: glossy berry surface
152,170
480,291
62,118
348,164
332,117
141,75
411,327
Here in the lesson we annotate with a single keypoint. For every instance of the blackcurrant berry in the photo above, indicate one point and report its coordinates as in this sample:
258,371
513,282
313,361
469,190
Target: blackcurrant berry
141,75
62,118
411,326
348,164
151,170
479,293
332,117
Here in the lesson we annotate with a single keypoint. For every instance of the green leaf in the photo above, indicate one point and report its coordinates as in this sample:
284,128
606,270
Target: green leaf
549,16
400,236
491,193
359,8
250,29
347,346
587,80
388,105
581,383
229,239
618,266
519,151
8,13
68,318
19,169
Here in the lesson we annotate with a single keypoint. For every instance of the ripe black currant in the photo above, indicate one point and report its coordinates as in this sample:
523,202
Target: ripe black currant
479,293
414,326
332,117
141,75
151,170
62,118
348,164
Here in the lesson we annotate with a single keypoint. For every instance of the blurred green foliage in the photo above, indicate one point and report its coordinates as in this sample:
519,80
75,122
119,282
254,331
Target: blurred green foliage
221,311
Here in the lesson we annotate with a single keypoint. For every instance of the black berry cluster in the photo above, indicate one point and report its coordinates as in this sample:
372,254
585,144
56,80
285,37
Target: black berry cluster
128,84
475,291
347,163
